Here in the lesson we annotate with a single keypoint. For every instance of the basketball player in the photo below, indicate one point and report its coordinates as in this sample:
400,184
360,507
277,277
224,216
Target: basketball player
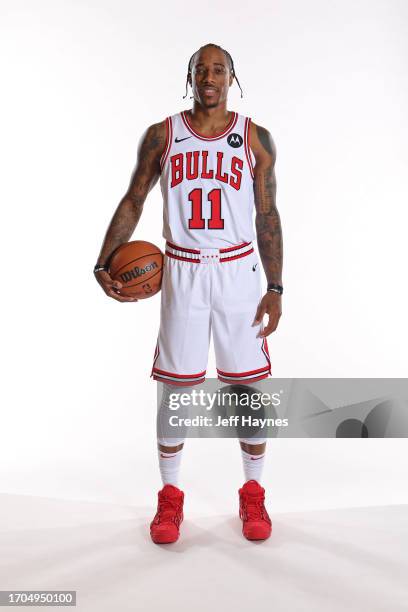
215,168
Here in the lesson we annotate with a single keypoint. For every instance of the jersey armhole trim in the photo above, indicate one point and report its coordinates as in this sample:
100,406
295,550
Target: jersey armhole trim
247,145
169,136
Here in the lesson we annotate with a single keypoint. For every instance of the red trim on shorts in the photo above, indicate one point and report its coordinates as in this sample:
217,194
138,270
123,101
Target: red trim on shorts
243,380
235,248
168,381
234,374
198,252
180,375
265,351
190,259
236,256
228,128
178,379
184,250
155,356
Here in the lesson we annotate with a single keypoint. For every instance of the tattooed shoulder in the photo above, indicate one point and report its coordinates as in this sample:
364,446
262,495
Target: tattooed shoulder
153,140
263,141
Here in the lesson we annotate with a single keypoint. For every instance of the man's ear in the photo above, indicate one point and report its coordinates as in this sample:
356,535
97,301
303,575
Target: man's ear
189,80
231,79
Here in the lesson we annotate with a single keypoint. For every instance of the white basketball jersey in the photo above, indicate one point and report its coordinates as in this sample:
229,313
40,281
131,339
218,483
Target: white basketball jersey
207,185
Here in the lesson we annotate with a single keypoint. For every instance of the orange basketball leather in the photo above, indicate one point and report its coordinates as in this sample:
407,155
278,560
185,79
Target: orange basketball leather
138,265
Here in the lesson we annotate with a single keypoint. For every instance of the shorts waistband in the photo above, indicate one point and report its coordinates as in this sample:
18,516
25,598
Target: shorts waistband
210,255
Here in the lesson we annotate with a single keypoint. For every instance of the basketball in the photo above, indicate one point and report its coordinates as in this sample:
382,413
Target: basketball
138,265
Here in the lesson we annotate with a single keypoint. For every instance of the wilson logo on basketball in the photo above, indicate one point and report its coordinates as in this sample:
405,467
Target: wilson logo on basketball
136,272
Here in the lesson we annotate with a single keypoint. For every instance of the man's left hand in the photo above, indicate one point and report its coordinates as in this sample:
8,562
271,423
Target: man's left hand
271,304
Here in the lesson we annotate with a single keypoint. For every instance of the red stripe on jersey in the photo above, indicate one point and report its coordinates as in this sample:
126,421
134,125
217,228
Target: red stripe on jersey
228,128
167,143
169,136
247,145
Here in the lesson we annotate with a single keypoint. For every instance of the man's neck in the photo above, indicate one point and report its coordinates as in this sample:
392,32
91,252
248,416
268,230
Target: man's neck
214,117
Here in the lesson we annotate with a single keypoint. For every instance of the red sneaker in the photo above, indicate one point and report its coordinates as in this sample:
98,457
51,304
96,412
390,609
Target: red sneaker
164,528
256,524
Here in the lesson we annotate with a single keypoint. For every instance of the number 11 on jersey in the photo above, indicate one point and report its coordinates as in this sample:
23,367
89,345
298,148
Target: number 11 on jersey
196,220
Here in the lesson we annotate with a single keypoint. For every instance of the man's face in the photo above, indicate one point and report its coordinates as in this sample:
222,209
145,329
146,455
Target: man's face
210,77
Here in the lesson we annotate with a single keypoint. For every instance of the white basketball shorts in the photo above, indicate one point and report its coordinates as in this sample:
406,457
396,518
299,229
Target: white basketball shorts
208,291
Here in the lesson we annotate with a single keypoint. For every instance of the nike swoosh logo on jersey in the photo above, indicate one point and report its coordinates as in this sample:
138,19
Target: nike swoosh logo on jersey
181,139
254,267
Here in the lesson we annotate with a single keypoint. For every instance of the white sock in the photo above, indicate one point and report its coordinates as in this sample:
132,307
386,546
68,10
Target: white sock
253,465
169,465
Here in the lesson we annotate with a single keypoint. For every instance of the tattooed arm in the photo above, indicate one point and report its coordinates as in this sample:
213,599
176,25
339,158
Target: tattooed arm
127,214
267,223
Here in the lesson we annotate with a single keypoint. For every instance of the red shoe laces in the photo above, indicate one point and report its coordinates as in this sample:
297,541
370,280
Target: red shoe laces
254,508
168,508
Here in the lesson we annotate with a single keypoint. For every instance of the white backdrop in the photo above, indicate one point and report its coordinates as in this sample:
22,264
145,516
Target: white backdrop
81,82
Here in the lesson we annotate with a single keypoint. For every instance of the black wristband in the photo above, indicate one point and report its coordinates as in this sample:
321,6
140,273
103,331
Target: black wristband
275,288
100,268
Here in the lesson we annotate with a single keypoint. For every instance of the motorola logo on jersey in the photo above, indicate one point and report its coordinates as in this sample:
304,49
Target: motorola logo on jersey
235,140
194,165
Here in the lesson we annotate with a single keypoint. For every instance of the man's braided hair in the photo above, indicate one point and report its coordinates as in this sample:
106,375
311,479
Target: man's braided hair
227,55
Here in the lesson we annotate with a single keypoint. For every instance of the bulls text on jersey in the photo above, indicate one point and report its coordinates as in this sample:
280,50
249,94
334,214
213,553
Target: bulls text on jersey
192,165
